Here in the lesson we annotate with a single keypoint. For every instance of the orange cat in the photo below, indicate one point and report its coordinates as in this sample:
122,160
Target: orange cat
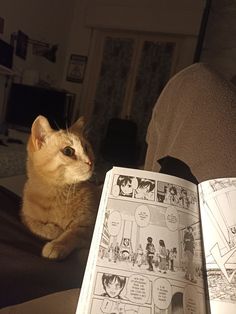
59,203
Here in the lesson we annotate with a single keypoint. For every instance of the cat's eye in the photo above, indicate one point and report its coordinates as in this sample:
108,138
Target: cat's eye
68,151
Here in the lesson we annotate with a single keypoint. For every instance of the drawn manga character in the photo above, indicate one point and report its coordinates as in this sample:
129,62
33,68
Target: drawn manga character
157,259
116,252
167,258
189,246
113,285
150,249
139,259
161,195
171,196
145,189
133,258
110,253
163,257
125,186
184,199
125,249
173,255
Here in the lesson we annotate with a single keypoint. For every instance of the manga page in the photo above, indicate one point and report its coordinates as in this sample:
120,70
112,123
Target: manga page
146,249
218,213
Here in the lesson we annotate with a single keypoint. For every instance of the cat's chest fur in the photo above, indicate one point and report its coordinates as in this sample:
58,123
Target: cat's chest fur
62,205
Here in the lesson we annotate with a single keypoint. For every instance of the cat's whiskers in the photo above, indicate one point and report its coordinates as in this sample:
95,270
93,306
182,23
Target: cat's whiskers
68,131
56,124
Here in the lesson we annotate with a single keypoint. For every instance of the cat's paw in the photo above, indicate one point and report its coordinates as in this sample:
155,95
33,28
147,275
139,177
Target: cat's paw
51,231
55,250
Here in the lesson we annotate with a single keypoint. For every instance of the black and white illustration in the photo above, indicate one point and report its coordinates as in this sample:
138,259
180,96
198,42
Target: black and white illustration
151,239
150,250
139,294
217,201
134,187
108,306
164,245
176,195
113,285
151,190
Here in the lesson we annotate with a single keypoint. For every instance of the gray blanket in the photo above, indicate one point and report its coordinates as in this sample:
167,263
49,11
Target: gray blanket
24,274
194,121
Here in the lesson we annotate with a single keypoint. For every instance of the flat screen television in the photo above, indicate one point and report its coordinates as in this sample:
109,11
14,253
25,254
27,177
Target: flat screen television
26,102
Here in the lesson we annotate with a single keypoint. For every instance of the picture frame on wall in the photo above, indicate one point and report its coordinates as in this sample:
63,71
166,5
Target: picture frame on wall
76,68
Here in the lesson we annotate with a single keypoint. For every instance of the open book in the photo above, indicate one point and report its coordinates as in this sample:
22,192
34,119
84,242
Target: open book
162,245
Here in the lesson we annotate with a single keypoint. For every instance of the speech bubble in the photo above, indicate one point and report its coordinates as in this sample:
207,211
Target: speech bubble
191,300
114,223
162,293
142,216
172,218
138,289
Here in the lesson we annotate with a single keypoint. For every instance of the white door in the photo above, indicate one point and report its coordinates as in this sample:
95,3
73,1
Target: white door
125,75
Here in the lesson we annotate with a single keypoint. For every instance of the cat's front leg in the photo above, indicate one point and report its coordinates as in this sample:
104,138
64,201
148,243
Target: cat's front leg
45,230
61,247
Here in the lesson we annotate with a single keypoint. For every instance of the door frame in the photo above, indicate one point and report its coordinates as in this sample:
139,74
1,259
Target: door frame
95,60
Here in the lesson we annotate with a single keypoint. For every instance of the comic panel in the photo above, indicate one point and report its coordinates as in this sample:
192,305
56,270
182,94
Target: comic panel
147,189
217,201
170,297
134,288
133,187
151,239
140,294
173,194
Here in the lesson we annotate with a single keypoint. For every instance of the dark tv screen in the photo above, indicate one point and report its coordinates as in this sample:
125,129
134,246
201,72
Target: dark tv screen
26,102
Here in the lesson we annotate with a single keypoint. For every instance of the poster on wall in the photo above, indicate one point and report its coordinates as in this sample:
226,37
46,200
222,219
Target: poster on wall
76,68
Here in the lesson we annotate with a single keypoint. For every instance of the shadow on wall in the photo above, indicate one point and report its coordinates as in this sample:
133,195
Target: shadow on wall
176,167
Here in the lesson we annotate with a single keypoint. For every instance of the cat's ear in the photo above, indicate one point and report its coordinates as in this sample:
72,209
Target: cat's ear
39,130
79,126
